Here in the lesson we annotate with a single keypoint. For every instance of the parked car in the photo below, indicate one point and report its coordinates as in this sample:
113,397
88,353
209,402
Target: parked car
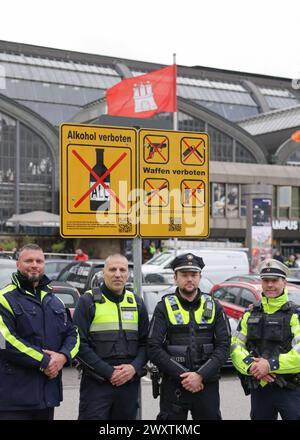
219,264
5,256
236,296
255,278
7,267
54,266
153,293
69,295
80,274
295,272
85,275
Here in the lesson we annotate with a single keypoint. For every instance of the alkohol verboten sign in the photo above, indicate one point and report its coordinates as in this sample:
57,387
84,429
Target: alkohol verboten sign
123,182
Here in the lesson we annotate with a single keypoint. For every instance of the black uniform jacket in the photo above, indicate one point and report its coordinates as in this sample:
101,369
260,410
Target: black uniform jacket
157,337
83,317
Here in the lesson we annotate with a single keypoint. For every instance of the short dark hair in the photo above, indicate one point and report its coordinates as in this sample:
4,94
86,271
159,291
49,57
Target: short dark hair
30,247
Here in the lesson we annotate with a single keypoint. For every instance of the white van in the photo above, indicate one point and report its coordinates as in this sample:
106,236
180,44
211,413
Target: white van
219,264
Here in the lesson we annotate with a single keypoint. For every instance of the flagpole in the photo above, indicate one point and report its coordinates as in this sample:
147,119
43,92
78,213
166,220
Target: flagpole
175,120
175,128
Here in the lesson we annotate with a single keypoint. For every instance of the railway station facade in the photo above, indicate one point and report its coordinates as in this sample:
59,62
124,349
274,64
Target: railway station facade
251,120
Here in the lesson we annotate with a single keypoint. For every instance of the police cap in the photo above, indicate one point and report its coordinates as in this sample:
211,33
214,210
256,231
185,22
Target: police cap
187,263
271,268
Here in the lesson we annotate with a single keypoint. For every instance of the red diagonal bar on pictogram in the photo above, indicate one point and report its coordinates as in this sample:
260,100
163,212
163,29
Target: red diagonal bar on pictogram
156,149
193,191
99,180
155,192
192,150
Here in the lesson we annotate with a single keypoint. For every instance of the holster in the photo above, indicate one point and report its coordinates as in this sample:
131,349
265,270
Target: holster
94,375
248,383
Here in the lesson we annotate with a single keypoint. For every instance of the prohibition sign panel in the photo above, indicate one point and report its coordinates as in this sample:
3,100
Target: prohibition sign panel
156,149
97,176
192,150
177,205
156,192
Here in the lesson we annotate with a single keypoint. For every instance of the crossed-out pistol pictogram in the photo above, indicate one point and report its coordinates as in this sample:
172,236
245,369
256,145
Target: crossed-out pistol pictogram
156,147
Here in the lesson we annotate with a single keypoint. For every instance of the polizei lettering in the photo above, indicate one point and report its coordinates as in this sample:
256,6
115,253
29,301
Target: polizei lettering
84,136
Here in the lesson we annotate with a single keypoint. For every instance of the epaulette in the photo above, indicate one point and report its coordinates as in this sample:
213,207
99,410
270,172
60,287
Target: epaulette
254,308
97,295
289,306
166,295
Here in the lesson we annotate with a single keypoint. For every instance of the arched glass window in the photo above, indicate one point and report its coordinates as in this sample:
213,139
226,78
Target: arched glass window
35,172
26,170
243,155
8,136
221,146
188,123
294,159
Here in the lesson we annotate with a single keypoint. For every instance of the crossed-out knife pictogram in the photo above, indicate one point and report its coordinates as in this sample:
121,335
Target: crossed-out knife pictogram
192,150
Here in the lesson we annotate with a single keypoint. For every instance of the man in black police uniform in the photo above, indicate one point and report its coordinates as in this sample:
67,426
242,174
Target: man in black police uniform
189,341
113,325
265,348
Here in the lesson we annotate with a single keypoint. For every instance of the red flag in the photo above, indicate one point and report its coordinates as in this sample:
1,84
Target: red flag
145,95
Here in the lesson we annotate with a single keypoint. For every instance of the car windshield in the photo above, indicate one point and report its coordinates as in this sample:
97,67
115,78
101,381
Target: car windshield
160,258
205,285
5,275
66,298
294,295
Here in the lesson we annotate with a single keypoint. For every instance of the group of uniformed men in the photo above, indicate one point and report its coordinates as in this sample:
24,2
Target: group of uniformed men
188,341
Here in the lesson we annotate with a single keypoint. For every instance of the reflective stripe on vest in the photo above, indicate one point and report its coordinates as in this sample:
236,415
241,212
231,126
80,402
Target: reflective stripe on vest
106,316
178,315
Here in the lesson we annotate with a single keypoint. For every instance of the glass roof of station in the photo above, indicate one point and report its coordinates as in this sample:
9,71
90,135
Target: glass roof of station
41,82
228,99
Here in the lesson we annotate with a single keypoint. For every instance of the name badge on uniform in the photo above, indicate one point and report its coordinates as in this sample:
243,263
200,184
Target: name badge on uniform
128,316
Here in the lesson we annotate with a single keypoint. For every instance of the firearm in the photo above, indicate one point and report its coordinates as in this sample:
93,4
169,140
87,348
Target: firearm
280,381
155,147
155,377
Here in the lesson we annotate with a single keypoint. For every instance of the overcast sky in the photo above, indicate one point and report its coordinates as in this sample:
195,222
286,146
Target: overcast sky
256,36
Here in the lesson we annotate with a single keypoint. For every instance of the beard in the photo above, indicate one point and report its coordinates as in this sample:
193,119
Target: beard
35,278
188,292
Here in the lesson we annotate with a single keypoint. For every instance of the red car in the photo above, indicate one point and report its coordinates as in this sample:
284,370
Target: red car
236,296
69,295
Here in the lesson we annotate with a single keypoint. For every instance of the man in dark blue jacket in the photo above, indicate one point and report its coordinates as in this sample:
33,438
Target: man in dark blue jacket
37,338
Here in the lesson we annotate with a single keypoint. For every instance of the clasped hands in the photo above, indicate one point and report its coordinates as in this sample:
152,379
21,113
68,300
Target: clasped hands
260,369
122,373
192,381
56,363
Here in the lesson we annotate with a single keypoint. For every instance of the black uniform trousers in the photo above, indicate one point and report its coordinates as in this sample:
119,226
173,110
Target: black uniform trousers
38,414
270,400
176,402
104,401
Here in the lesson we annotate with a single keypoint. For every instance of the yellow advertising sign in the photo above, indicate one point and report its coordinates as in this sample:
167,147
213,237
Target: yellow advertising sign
174,178
98,174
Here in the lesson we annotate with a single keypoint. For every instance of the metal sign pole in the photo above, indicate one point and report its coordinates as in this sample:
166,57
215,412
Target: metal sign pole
137,280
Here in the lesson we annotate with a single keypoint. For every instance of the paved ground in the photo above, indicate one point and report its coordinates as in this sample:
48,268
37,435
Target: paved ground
234,404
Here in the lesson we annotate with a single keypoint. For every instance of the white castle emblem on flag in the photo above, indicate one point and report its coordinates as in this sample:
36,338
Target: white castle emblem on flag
143,97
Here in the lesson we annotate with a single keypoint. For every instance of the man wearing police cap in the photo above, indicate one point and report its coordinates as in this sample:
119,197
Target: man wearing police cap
188,341
265,348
